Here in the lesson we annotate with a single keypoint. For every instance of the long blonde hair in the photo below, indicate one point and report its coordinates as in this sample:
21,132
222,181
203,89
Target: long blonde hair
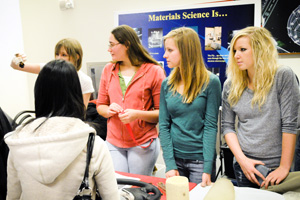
265,58
192,71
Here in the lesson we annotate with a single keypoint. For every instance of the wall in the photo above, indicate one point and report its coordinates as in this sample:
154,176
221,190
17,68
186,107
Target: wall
14,90
44,24
90,22
291,60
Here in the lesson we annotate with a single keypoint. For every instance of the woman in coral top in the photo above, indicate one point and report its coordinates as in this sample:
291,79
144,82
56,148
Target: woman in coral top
129,95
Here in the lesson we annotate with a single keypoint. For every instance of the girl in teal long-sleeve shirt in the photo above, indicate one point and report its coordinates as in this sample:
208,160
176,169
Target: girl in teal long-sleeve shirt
188,114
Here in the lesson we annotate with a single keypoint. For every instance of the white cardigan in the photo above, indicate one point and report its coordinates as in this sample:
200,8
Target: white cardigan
49,163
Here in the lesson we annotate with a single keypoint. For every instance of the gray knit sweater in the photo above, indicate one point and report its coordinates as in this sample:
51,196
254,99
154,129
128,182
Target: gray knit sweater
259,132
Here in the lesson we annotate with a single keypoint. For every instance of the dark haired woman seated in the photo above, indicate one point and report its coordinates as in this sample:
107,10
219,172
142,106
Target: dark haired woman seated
47,155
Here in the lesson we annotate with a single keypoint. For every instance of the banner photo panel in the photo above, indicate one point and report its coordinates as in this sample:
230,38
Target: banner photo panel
215,24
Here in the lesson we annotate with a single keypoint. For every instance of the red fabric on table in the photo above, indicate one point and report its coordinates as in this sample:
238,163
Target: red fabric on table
154,181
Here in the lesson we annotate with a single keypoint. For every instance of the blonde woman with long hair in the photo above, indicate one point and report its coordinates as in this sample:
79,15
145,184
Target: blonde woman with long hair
189,102
265,99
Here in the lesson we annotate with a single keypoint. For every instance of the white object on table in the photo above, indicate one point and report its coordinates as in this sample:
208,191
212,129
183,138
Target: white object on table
241,193
177,188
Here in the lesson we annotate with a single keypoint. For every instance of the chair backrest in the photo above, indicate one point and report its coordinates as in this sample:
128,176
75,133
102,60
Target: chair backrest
99,122
22,117
220,137
226,156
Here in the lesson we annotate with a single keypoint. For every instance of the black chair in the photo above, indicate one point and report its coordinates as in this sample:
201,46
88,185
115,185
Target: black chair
228,161
22,117
225,155
5,127
221,154
98,122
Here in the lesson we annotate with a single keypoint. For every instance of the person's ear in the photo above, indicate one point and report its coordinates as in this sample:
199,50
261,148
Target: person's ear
127,44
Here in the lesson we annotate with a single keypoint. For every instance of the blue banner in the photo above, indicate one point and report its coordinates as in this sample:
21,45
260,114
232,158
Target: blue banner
215,26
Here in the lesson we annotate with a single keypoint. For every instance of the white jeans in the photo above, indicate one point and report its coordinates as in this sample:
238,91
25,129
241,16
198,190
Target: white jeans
135,160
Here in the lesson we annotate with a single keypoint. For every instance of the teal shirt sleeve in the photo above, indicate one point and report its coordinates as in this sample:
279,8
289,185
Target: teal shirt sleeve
213,91
164,129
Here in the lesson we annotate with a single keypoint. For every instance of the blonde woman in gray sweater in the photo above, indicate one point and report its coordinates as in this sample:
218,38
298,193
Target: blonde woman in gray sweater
265,99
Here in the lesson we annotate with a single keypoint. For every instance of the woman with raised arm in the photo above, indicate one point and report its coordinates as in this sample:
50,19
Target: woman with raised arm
67,49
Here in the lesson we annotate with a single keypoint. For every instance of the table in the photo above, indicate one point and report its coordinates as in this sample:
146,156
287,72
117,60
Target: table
154,181
241,193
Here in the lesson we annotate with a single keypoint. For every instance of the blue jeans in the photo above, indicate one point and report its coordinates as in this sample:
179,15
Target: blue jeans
193,169
242,180
135,160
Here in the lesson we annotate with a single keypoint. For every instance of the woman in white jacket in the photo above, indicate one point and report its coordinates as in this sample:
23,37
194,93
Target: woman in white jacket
47,156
